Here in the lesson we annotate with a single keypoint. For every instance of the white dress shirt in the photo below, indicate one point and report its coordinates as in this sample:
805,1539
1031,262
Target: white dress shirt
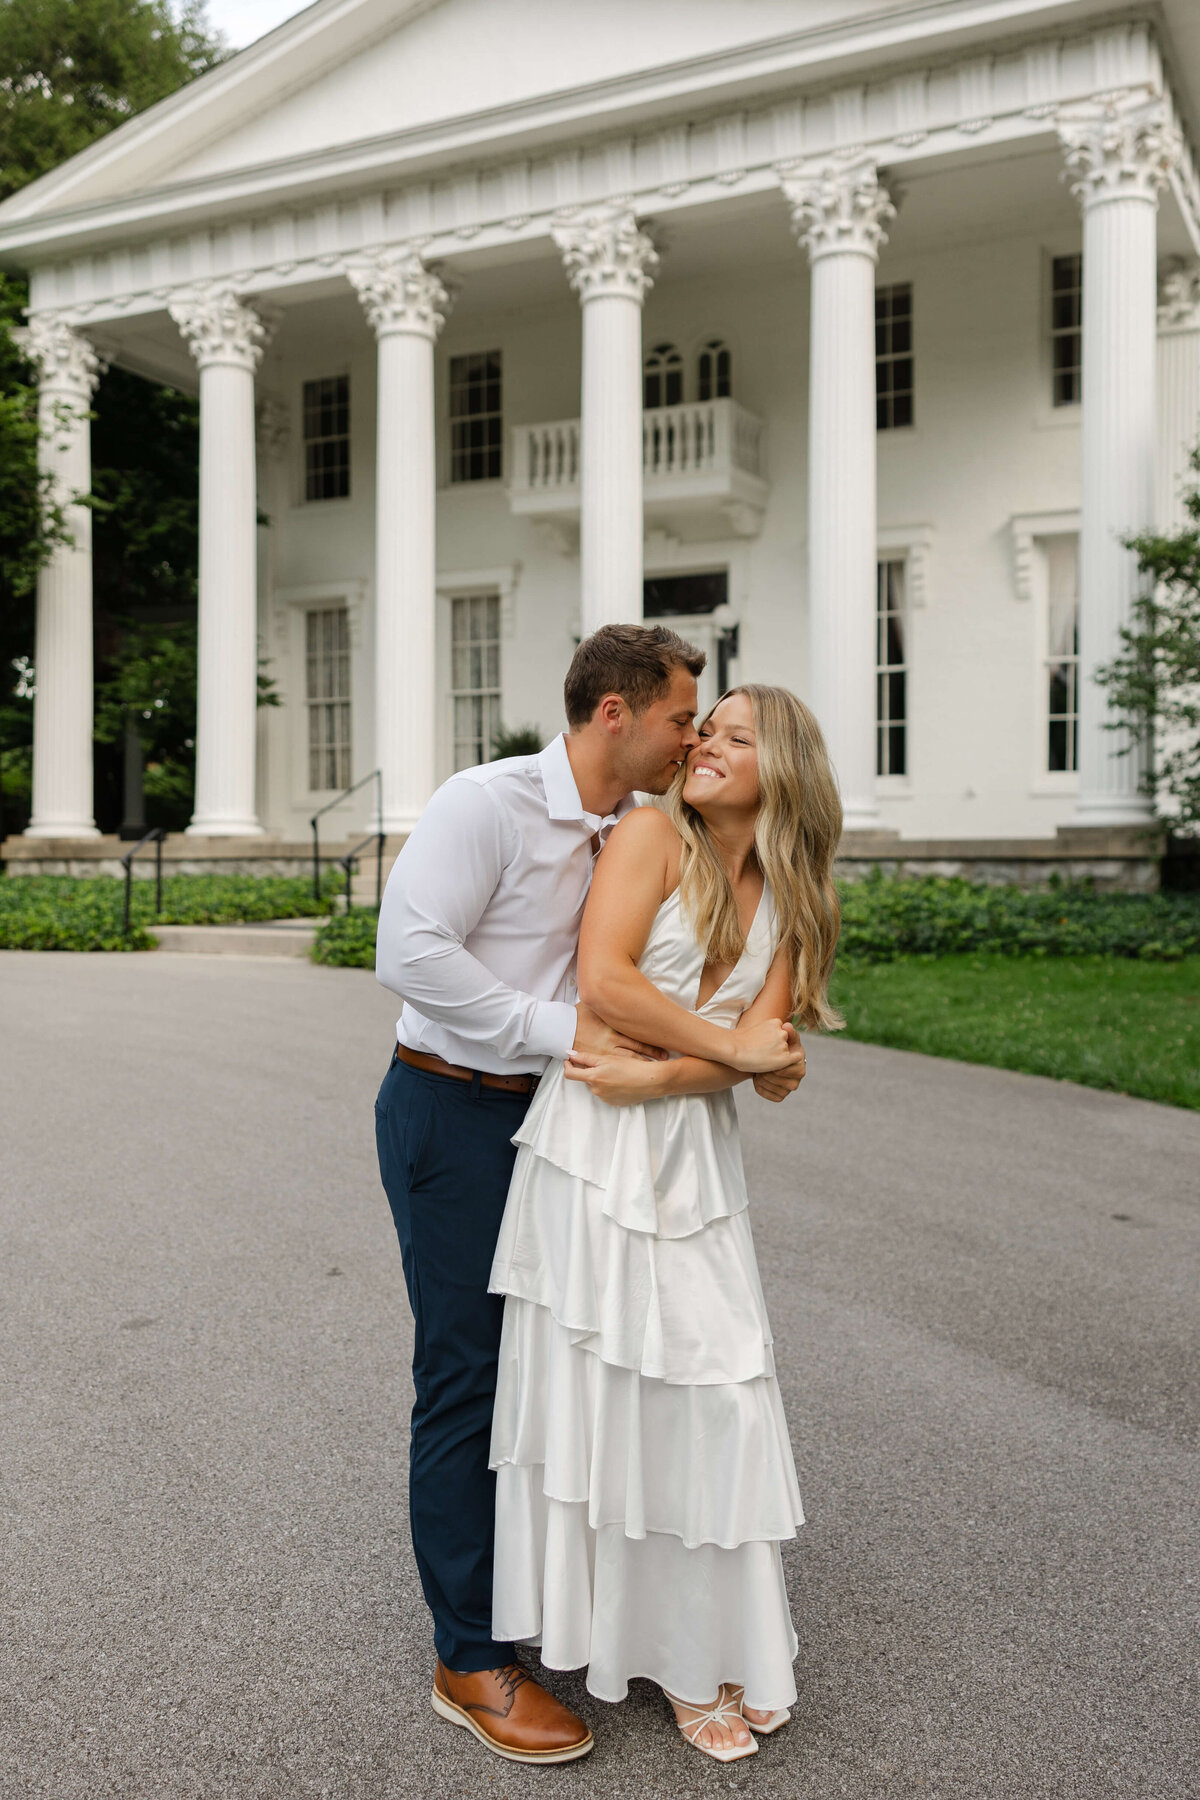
480,917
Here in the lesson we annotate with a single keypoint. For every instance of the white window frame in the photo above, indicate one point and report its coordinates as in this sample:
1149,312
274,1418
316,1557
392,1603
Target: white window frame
459,584
1047,416
292,606
297,479
913,546
666,555
1031,584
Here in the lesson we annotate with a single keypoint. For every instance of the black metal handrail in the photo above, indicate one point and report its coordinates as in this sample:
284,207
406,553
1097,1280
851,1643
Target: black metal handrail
154,836
376,776
344,862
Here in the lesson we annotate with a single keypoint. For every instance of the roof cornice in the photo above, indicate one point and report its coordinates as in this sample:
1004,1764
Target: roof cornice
40,220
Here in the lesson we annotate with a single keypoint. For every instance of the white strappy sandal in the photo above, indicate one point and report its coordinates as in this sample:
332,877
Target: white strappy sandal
722,1712
769,1727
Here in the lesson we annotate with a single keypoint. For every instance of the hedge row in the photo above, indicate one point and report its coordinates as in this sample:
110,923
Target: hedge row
58,912
884,918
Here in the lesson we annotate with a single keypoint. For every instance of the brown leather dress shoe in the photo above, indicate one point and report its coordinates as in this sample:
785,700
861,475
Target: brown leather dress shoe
508,1711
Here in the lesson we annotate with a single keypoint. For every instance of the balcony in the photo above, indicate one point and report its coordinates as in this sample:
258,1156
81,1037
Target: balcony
702,469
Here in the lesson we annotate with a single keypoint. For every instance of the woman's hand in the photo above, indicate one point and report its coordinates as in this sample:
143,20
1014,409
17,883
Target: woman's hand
755,1049
617,1078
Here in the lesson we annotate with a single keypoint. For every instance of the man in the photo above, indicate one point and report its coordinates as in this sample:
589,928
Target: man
477,933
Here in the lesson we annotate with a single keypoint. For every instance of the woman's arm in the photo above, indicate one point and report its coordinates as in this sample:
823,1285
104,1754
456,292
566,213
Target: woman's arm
624,1080
633,875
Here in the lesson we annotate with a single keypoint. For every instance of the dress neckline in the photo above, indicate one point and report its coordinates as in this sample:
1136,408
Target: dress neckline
674,895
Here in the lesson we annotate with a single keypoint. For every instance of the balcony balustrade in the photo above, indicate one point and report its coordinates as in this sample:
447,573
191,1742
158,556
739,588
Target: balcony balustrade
702,469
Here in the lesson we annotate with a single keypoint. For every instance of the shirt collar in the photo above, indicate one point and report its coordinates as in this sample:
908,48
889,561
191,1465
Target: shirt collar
562,796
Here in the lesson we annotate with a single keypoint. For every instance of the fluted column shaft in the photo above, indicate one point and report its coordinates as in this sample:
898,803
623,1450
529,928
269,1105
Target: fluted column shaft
1178,389
63,703
839,211
226,336
407,305
610,263
1118,154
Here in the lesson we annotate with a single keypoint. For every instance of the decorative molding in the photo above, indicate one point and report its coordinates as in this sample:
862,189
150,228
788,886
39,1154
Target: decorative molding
1120,146
68,364
606,251
219,327
1179,296
915,544
399,292
1026,528
143,246
352,594
838,207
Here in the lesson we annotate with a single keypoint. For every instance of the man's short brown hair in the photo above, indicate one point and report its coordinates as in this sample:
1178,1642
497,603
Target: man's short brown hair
634,661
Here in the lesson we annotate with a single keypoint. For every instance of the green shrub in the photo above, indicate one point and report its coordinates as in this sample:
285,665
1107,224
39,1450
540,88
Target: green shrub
883,918
59,912
347,942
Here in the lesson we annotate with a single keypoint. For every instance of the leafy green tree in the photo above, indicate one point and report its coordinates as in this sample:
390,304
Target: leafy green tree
70,71
1154,683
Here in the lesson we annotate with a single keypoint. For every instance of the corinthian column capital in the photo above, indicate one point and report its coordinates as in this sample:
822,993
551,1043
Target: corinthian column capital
1121,146
400,293
220,327
1179,295
68,364
838,206
606,251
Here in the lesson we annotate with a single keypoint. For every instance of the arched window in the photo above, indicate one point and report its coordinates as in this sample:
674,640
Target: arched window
714,371
663,378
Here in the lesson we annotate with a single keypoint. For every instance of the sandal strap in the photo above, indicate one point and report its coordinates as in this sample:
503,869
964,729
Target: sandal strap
717,1714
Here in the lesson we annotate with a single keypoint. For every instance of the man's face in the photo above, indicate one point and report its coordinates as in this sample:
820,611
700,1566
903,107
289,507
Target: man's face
659,739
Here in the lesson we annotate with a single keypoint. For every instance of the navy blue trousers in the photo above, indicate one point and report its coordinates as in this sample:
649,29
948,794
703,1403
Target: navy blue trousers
445,1159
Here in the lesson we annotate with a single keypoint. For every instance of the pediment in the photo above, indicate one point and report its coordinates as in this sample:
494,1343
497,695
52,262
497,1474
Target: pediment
355,71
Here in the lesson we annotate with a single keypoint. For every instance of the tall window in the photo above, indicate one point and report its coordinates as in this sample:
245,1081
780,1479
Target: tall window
1066,336
662,383
893,356
476,417
474,676
891,671
714,369
1062,658
327,686
327,438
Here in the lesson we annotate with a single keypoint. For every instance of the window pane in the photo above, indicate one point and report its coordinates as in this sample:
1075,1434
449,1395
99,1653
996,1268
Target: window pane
476,417
327,689
474,676
325,408
894,371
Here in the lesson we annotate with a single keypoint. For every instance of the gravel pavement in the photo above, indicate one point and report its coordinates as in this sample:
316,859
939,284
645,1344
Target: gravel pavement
984,1292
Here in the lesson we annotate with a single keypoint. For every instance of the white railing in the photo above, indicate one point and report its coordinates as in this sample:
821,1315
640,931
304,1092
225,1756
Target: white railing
711,437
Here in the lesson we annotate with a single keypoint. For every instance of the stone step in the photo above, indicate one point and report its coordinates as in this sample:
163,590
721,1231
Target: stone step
267,937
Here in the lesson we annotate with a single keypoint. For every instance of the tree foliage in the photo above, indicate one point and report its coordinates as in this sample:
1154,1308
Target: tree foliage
70,71
1154,683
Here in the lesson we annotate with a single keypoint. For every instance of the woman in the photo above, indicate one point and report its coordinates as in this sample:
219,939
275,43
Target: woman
644,1471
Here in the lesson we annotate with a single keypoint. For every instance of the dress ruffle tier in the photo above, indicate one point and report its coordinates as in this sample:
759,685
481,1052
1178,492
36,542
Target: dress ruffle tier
644,1469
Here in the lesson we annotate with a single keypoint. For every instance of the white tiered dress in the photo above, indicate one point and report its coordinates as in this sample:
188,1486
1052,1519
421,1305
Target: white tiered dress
644,1470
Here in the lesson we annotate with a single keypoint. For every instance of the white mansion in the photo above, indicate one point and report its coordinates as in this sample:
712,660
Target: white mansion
852,335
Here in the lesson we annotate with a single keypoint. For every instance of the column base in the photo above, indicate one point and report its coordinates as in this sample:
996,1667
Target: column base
859,817
61,828
224,828
1103,814
399,825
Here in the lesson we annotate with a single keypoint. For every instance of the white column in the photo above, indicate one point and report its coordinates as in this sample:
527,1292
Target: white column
1178,389
226,336
69,368
610,263
407,305
839,210
1118,155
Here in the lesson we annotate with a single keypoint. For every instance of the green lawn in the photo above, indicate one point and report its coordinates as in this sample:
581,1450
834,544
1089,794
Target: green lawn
1118,1023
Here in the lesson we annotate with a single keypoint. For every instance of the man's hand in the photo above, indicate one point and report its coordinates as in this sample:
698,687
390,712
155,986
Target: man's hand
618,1079
594,1038
781,1082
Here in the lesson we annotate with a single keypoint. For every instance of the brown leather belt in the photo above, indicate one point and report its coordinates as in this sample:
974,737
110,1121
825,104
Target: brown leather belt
435,1065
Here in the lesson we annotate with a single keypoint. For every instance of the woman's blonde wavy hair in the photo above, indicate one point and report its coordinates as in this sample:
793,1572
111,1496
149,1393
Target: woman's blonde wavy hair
795,840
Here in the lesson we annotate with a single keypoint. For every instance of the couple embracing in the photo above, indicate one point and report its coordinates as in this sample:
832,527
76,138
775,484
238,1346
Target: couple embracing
600,1464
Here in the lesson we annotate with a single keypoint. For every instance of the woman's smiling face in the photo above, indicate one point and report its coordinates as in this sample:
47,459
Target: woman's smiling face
722,771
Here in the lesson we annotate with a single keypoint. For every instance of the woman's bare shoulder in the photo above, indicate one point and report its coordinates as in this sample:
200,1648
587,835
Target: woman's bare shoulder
645,828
